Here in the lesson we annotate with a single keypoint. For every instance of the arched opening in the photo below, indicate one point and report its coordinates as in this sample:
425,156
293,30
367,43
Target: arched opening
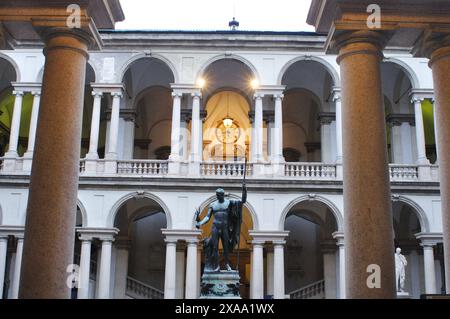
309,120
7,75
311,256
241,256
407,223
227,143
400,118
147,98
139,250
227,92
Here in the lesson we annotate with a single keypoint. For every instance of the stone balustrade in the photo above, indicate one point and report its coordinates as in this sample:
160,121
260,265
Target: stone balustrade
313,291
292,171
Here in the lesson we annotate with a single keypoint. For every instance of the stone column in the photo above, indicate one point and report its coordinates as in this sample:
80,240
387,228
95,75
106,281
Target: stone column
15,125
171,268
269,273
341,246
121,272
3,254
181,270
52,200
33,126
368,210
338,106
199,271
420,133
191,270
429,268
114,126
258,127
329,269
17,267
85,267
325,120
278,270
105,269
176,125
277,148
195,127
439,52
257,284
95,126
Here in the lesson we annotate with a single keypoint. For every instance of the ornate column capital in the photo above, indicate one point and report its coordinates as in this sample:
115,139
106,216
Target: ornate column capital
18,93
376,41
36,93
177,94
336,95
196,95
435,45
417,99
117,94
129,115
97,94
278,97
258,96
326,118
398,119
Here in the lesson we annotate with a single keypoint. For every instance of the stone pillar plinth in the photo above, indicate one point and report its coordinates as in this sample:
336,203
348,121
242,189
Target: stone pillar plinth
368,211
52,201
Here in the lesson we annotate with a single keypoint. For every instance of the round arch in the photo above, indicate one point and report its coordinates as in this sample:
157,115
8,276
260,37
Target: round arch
420,213
407,69
13,64
40,74
126,66
114,210
328,67
313,95
239,58
307,198
250,208
231,89
84,217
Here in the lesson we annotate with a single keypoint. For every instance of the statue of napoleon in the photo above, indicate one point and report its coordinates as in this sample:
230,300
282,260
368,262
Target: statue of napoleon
226,227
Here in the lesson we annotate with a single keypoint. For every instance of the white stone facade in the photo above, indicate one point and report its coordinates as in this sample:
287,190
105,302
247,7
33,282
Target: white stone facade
121,189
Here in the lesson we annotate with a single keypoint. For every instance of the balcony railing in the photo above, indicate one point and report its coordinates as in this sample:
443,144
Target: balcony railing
403,172
143,168
310,171
291,171
224,169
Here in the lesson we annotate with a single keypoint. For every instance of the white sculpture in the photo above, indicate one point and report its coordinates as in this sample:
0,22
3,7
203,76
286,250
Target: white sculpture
400,274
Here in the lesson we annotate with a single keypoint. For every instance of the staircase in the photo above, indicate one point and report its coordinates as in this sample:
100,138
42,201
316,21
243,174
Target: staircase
313,291
139,290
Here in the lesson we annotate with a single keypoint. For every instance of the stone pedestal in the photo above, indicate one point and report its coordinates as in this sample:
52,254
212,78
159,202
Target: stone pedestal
220,285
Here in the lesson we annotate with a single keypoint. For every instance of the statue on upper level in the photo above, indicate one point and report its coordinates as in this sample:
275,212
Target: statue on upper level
226,227
400,274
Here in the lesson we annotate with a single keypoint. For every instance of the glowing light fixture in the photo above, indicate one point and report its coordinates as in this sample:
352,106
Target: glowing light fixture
254,84
228,121
201,82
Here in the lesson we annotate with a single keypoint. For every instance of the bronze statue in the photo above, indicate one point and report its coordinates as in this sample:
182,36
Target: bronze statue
226,227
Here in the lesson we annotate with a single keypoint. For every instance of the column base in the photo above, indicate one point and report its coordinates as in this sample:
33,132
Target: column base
111,166
90,166
423,161
92,156
258,169
174,168
9,164
194,169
